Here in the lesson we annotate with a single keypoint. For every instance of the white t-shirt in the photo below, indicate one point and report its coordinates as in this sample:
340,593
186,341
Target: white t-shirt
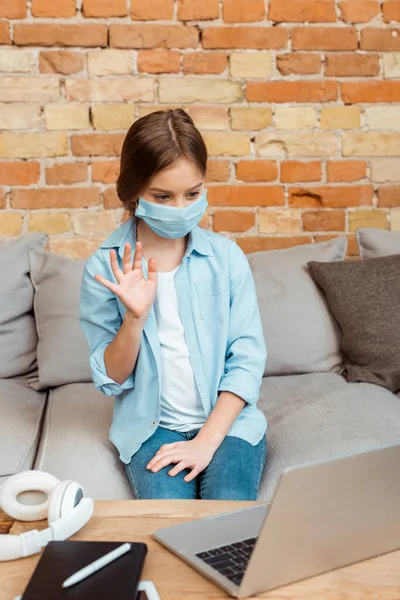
181,405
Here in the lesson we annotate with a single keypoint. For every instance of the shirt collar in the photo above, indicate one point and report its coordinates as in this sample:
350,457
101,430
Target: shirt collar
198,239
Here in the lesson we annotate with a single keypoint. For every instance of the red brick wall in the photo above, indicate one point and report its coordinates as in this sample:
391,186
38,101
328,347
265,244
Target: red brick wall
298,101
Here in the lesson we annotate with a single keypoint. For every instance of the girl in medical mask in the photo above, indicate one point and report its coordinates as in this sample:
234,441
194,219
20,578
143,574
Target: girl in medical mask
170,313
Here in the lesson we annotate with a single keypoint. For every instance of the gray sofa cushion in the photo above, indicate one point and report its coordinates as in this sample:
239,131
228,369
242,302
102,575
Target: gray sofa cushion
62,352
364,298
320,415
17,323
75,445
300,333
21,410
377,242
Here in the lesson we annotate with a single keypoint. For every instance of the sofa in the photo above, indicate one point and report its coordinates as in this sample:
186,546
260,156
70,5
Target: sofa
54,419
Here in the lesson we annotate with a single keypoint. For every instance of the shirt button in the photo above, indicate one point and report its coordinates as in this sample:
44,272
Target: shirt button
154,422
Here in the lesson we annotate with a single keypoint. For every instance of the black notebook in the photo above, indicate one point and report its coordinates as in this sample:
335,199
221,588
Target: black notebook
60,559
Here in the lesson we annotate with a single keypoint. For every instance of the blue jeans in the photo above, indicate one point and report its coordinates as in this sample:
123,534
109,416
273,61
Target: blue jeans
234,472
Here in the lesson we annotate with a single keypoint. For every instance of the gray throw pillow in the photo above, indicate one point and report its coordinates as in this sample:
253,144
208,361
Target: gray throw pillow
364,298
17,322
300,333
62,352
377,242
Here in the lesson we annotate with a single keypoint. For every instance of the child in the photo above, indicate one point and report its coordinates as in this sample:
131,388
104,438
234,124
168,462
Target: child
176,335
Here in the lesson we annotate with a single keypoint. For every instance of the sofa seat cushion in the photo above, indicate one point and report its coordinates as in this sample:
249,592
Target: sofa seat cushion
75,444
320,415
21,410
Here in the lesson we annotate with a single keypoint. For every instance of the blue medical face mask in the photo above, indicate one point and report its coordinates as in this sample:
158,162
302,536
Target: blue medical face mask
170,221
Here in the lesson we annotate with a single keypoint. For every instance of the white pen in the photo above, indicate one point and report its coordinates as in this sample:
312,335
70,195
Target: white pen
96,565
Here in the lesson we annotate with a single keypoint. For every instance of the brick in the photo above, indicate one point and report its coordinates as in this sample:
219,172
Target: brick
94,223
57,197
33,145
340,117
376,118
389,196
61,61
391,66
296,144
153,36
19,173
203,63
324,38
246,195
217,170
375,38
104,8
113,116
331,197
370,144
67,173
352,65
227,144
17,61
19,116
291,91
370,91
32,89
233,220
391,11
248,65
312,11
209,117
75,248
159,61
343,170
189,89
240,11
49,34
279,221
155,10
367,218
109,62
395,220
193,10
259,243
358,11
385,170
324,220
97,144
5,37
295,117
293,171
10,223
352,244
256,170
49,222
13,10
105,171
259,38
113,89
298,63
250,118
110,198
2,198
67,116
62,9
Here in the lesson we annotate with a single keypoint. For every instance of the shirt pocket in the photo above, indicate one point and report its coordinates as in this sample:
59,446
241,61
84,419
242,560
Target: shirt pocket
209,294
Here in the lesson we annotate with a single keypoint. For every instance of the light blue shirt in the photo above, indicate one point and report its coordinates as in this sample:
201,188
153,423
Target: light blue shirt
223,331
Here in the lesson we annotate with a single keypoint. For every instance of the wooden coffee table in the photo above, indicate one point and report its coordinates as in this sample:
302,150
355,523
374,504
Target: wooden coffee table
134,520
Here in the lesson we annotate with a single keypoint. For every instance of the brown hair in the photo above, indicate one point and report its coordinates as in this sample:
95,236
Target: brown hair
153,143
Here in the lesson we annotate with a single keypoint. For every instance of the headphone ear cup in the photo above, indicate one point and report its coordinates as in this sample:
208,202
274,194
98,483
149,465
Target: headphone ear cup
27,481
63,499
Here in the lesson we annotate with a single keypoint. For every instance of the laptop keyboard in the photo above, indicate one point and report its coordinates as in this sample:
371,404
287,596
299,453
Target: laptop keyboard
231,560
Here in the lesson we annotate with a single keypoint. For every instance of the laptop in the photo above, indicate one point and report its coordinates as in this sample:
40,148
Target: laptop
323,515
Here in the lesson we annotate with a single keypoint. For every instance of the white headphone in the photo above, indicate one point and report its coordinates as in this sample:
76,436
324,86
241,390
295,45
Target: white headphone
66,508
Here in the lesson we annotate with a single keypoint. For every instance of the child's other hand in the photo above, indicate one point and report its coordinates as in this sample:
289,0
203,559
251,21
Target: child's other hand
194,454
